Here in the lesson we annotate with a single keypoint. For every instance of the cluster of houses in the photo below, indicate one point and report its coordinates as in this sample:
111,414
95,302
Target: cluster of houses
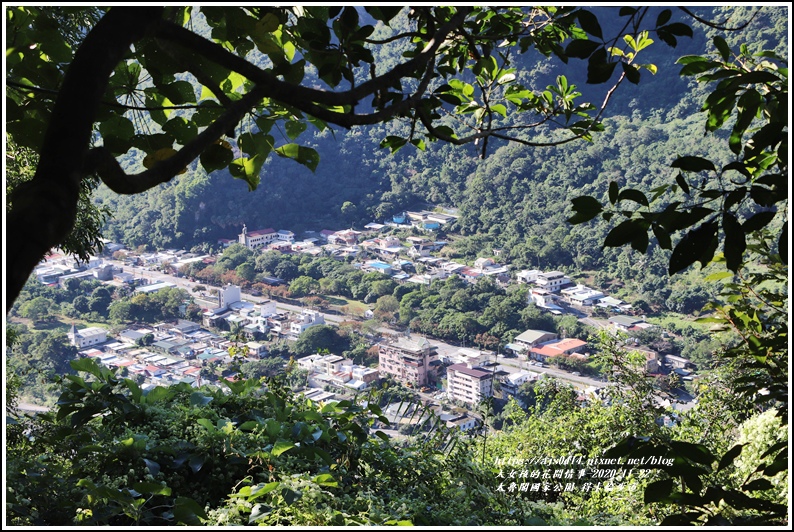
255,320
550,288
178,351
174,352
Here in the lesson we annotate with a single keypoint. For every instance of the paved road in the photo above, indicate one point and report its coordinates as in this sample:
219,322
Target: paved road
511,365
33,408
188,285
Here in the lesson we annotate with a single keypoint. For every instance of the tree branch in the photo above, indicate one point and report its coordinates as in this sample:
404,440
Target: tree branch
117,105
44,209
718,25
297,95
101,161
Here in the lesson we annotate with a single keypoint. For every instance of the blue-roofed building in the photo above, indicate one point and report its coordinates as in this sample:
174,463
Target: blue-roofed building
381,267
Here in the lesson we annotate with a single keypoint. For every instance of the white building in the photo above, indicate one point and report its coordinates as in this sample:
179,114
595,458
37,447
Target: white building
286,236
267,308
581,295
475,357
528,276
541,297
306,319
469,384
256,349
552,281
228,295
87,337
258,238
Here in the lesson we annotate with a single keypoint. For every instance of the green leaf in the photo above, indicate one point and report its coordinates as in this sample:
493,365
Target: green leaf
778,465
717,277
680,29
662,236
294,128
764,196
581,48
268,23
499,108
308,157
735,244
259,512
613,192
188,511
625,232
182,130
326,480
759,484
633,195
394,143
586,208
599,69
281,446
87,365
199,399
658,491
698,67
589,23
632,72
196,462
152,466
758,221
696,452
216,157
158,393
179,92
722,46
247,169
153,488
663,18
691,163
117,133
697,245
290,496
728,458
682,183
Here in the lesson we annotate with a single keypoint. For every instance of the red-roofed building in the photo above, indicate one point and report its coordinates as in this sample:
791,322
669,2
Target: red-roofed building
470,274
326,233
566,346
258,238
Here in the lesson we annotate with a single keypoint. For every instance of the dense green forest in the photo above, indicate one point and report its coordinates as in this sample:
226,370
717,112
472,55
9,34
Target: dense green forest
517,198
252,452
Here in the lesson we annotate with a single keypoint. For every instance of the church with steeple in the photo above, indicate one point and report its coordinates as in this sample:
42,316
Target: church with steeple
87,337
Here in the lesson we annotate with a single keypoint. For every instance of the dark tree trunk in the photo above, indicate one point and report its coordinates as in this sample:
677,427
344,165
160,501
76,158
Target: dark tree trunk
44,209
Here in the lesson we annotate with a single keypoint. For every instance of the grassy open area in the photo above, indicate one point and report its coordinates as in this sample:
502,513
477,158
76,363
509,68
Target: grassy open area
357,307
59,323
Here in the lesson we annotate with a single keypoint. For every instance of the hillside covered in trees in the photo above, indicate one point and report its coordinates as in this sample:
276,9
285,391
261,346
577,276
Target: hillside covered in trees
517,198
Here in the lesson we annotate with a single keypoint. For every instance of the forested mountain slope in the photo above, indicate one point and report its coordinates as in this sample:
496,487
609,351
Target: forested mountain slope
518,197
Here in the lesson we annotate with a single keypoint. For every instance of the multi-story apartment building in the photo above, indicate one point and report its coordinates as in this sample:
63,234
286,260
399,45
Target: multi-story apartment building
552,281
410,362
469,384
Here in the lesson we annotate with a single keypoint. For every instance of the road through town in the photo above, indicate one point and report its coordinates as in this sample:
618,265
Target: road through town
510,365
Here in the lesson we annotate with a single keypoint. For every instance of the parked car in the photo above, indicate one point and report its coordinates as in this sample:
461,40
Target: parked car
576,374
